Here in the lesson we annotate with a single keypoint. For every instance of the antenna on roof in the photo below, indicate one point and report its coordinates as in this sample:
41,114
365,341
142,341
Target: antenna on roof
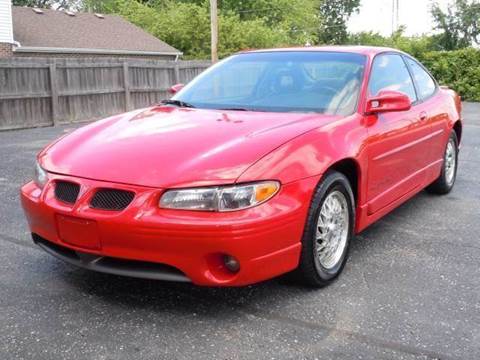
37,10
69,13
100,16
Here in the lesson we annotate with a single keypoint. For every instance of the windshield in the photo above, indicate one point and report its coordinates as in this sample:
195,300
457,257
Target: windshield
321,82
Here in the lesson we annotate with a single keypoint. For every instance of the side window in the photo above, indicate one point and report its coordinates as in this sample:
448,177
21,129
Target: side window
389,72
426,85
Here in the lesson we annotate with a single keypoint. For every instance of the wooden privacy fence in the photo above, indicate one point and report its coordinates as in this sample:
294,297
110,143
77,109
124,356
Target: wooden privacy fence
42,92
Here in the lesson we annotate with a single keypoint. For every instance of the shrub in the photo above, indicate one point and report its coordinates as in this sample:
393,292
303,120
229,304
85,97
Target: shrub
459,70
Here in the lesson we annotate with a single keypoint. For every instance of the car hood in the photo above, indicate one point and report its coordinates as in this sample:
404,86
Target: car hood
174,147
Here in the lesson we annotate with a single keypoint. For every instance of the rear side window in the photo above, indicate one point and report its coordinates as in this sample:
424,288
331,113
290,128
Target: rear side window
425,84
389,72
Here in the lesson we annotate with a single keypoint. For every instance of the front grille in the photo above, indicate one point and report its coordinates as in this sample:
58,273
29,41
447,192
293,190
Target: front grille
67,191
111,199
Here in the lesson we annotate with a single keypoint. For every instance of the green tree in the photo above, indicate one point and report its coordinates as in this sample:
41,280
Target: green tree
297,19
459,69
368,38
459,25
57,4
416,46
110,6
333,15
32,3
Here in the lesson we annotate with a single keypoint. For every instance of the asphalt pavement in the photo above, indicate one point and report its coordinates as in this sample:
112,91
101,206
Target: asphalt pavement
411,289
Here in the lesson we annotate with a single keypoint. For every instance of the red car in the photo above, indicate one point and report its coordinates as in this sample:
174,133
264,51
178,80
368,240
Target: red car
268,162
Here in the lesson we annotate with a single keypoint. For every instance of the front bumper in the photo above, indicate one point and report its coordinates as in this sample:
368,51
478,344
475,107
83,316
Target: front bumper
145,241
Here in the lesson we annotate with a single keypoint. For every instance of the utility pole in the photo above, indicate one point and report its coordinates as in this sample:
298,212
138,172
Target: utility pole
395,15
214,30
397,18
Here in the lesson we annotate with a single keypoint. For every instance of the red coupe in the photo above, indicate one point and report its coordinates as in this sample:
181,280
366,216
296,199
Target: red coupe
268,162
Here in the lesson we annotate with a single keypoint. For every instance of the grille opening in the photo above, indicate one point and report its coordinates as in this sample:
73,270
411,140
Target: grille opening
111,199
67,191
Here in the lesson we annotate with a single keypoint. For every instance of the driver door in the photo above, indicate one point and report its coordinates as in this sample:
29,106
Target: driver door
397,154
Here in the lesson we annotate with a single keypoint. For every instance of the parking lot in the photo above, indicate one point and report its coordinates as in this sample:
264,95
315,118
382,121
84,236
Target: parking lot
411,289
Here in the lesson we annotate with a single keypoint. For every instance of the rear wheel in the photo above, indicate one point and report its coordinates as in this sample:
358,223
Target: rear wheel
328,231
446,180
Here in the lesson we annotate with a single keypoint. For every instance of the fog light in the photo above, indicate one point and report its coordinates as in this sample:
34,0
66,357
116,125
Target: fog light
231,263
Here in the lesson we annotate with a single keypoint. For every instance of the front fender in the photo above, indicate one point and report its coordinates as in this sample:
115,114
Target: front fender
312,153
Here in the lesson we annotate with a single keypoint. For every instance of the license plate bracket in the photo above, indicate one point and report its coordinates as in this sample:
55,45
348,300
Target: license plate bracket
78,232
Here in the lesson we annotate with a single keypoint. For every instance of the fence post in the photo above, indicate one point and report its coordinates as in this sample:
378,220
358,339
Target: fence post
176,70
126,85
54,91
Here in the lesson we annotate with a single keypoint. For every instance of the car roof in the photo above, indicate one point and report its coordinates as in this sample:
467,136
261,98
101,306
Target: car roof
357,49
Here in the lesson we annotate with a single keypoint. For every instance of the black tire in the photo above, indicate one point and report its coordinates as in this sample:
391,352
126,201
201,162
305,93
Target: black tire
310,271
443,185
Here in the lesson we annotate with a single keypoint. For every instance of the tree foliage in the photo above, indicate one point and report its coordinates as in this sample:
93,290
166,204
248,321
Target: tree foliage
459,69
57,4
296,18
459,25
32,3
333,15
414,45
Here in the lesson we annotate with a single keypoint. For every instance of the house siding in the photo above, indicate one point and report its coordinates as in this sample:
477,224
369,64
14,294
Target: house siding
6,29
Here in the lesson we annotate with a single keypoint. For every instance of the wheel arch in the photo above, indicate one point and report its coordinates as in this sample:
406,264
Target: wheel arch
458,128
352,171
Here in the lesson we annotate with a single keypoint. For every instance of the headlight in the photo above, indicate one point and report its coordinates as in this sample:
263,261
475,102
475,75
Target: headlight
41,176
225,198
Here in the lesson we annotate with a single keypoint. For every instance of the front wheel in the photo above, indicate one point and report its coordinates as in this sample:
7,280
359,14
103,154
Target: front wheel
328,231
446,180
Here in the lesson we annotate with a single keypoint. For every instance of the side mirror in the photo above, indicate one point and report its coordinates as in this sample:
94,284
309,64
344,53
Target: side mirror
388,100
175,88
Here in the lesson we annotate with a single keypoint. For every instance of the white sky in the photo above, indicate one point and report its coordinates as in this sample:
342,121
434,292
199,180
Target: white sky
376,16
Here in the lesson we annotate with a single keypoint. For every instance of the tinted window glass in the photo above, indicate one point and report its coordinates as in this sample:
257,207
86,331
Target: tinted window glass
389,72
426,85
290,81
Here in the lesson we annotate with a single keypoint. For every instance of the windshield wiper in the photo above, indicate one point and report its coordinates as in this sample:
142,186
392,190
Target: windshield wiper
178,103
241,109
235,109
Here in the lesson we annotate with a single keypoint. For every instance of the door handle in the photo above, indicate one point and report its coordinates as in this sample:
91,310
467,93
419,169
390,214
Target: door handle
423,116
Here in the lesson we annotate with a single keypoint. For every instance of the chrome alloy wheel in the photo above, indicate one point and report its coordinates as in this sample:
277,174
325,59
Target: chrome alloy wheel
450,161
332,230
